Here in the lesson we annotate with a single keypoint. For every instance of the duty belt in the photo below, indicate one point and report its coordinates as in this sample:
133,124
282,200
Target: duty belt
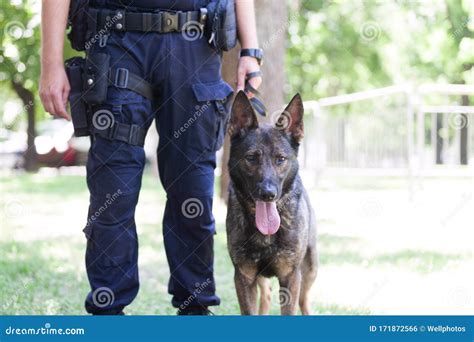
160,21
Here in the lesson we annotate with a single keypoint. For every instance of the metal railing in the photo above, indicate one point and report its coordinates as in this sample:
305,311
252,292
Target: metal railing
395,138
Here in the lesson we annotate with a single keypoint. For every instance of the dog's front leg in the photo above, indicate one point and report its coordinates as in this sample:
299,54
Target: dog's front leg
289,292
246,285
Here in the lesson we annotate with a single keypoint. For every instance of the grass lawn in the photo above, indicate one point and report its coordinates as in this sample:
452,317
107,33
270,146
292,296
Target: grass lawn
42,245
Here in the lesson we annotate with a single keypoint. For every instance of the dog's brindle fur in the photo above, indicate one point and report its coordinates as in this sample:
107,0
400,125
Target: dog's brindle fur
261,157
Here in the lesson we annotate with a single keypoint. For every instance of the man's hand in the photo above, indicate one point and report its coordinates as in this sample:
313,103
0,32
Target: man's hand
54,85
246,66
54,90
247,31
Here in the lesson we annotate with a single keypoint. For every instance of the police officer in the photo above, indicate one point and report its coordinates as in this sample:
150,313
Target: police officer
170,74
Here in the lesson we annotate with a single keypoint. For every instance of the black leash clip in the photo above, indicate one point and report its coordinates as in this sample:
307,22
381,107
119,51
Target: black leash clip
256,103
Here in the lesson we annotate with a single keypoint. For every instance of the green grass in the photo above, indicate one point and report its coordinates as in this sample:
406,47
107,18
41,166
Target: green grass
339,250
44,273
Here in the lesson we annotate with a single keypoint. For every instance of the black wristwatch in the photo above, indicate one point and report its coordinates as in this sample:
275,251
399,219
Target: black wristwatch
255,53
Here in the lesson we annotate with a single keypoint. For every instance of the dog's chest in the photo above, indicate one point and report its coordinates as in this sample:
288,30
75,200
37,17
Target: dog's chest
269,254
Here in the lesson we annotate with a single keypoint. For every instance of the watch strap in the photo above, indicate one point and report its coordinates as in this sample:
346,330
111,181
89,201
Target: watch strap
255,53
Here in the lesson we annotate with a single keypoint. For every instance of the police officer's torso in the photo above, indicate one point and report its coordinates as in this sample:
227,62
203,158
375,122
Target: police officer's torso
151,5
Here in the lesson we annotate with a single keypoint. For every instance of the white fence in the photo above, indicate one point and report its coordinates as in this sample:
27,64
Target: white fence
392,130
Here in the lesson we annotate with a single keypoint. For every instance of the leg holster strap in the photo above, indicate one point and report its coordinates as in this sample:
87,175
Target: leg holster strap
130,134
122,78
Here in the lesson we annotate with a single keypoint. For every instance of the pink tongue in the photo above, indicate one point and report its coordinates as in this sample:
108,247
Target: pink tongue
266,217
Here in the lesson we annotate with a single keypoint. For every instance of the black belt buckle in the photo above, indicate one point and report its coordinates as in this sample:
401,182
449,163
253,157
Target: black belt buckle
169,22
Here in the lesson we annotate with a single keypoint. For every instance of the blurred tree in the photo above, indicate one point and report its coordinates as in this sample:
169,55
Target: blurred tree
442,50
338,47
20,63
334,47
463,39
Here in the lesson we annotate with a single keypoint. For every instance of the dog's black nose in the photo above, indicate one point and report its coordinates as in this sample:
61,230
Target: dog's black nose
268,192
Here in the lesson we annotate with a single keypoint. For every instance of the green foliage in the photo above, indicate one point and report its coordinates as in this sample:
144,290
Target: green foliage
20,47
338,47
19,43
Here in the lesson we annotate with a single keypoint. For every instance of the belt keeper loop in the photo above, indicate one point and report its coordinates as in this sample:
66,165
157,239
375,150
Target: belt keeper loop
121,78
132,135
147,22
188,18
103,40
111,131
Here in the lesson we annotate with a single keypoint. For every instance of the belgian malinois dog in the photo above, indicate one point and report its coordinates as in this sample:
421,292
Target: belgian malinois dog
271,228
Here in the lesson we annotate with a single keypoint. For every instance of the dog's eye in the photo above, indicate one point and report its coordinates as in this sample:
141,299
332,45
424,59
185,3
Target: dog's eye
251,158
280,159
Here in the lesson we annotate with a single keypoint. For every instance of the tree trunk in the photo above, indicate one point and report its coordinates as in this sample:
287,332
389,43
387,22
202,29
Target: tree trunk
229,71
439,138
272,27
464,134
28,99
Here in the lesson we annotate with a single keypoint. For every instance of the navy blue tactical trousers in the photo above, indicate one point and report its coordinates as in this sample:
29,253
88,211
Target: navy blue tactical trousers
191,111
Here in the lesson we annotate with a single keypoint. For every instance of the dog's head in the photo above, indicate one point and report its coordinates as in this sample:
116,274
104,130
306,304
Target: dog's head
263,158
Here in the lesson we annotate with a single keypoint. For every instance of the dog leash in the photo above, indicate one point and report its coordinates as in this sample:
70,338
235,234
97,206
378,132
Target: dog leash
255,101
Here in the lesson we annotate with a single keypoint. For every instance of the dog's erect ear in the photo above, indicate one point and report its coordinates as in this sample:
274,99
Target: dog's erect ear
243,117
291,120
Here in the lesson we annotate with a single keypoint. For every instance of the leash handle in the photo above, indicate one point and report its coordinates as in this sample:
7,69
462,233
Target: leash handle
256,103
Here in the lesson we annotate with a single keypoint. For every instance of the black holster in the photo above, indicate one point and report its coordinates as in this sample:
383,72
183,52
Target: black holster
221,27
77,21
96,77
79,107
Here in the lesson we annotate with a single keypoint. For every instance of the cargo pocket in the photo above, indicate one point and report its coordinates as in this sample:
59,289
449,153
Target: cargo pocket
216,96
111,239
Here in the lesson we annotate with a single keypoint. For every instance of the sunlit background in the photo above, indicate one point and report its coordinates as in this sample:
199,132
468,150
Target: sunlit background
388,159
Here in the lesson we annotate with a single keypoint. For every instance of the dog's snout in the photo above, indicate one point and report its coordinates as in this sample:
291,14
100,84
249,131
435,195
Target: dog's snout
268,191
